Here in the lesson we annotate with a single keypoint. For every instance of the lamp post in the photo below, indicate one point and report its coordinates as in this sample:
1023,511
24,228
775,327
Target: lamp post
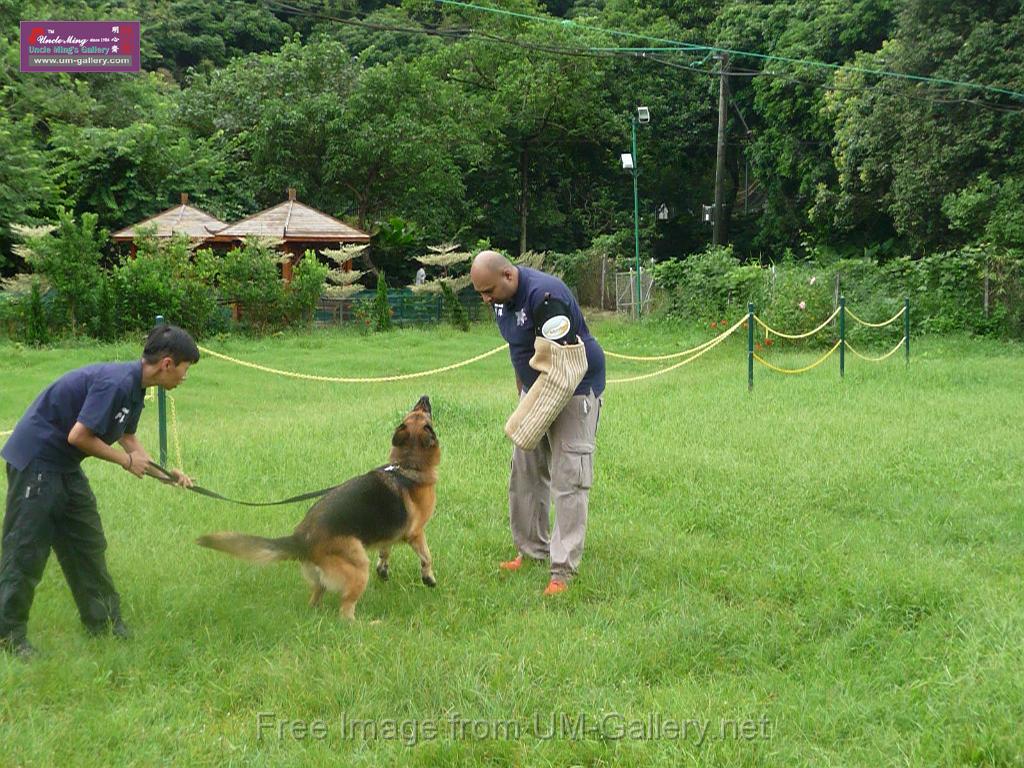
629,162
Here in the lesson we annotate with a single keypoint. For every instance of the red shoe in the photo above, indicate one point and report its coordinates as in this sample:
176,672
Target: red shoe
512,565
555,587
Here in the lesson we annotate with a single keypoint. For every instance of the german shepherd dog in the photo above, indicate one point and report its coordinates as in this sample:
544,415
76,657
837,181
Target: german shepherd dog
386,505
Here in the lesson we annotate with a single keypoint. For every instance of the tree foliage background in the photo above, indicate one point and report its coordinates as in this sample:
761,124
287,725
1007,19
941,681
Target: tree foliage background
471,126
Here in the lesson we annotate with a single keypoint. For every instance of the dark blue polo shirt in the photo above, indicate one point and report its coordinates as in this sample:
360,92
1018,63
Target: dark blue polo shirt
521,319
108,398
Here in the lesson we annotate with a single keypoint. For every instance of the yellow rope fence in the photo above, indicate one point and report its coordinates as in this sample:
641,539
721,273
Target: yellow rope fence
689,354
827,320
706,347
806,368
887,355
673,355
351,379
892,319
174,432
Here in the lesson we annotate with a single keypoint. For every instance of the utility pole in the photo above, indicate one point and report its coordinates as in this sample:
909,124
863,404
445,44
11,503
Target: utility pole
723,99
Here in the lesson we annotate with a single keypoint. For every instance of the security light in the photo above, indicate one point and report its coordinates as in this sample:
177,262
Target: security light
643,115
627,161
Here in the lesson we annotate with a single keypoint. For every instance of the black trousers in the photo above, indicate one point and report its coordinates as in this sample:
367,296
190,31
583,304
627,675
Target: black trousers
58,510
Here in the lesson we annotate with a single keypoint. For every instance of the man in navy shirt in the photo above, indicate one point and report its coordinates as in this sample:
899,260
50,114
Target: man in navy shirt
528,303
49,501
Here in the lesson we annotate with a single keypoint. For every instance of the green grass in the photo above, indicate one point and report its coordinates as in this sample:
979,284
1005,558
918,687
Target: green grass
838,562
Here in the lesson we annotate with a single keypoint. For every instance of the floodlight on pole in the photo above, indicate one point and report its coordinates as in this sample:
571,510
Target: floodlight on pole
643,117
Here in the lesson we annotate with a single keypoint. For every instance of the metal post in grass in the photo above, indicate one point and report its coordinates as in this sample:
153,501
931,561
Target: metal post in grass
161,403
636,223
842,336
750,347
906,329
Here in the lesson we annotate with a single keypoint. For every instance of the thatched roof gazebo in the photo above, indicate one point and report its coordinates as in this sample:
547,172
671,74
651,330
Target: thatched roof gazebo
180,220
297,226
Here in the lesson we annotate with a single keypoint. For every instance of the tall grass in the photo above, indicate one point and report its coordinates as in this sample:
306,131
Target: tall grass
821,572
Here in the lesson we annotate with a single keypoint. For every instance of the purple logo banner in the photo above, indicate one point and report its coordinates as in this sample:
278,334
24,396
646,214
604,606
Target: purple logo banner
80,46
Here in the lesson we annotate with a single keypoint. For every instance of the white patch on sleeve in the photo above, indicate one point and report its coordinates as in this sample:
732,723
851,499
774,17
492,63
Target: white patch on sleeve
555,328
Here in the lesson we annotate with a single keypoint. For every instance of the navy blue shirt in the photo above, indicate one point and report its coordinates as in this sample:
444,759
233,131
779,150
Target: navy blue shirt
542,301
108,398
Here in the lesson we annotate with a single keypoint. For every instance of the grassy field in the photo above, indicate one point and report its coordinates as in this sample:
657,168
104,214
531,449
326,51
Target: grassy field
821,572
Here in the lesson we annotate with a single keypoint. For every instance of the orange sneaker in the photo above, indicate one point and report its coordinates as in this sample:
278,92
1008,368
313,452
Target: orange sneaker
555,587
512,565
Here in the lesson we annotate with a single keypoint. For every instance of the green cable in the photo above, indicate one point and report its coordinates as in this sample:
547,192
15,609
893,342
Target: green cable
681,46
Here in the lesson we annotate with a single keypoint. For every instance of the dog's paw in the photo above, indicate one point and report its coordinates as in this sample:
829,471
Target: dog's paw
383,572
430,581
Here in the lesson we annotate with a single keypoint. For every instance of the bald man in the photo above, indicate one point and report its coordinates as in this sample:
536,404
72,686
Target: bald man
528,303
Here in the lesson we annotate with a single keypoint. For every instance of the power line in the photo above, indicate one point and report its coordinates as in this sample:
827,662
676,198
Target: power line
733,51
638,52
878,89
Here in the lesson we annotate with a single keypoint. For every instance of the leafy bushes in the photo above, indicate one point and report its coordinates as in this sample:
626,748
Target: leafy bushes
796,299
710,285
299,298
454,312
68,255
248,279
71,292
163,279
26,310
381,307
947,291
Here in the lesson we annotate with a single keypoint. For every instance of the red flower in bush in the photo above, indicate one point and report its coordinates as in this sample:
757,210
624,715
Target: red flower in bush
714,325
769,342
757,345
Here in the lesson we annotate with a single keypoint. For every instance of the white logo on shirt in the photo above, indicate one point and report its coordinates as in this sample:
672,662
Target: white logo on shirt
521,317
555,327
121,416
499,310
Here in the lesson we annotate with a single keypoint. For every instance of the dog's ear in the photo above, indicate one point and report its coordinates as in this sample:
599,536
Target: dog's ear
401,436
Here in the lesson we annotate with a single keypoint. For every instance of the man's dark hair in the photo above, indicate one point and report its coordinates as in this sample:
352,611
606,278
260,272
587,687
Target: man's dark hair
170,341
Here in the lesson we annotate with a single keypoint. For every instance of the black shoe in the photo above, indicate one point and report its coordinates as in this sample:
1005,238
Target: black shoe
20,648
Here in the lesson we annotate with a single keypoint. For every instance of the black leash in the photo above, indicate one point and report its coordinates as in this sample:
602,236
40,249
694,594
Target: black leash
168,478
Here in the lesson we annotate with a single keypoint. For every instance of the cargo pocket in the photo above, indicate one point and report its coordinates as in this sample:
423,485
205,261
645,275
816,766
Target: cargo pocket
33,488
578,463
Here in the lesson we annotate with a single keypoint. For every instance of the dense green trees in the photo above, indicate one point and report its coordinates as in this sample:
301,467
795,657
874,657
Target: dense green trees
468,125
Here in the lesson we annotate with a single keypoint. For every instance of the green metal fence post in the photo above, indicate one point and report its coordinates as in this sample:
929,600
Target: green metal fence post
636,222
842,336
750,347
161,401
906,328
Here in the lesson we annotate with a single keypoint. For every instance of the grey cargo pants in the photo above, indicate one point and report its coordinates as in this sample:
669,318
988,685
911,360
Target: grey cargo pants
559,469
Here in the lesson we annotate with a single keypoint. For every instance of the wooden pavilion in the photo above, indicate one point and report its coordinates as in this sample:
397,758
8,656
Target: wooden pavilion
297,226
182,219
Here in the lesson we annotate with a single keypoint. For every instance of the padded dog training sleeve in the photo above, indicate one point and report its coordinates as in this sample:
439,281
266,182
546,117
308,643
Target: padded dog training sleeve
562,367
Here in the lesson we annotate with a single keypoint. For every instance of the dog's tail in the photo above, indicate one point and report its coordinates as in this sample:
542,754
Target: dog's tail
254,548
